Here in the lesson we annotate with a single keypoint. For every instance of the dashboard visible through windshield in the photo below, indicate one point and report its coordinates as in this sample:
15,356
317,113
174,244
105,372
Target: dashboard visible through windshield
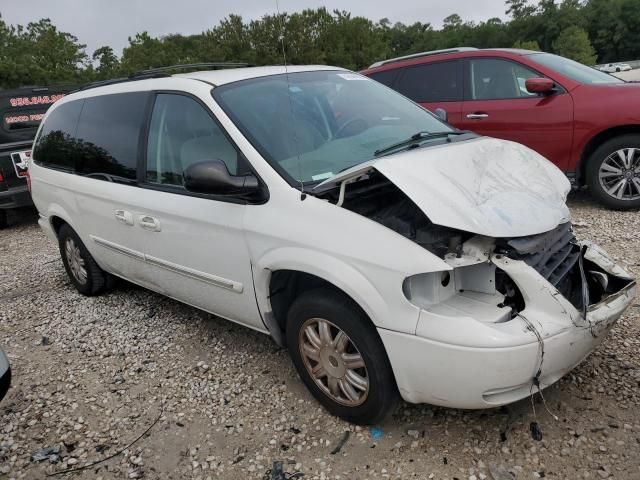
312,125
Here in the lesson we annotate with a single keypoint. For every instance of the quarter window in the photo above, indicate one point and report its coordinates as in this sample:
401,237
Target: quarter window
108,135
182,133
433,82
494,79
56,146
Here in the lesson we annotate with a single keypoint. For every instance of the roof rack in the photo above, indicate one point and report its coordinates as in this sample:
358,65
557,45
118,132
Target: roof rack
422,54
188,66
160,72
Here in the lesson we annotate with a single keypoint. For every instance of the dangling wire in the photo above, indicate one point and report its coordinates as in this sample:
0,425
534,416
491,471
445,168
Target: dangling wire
286,73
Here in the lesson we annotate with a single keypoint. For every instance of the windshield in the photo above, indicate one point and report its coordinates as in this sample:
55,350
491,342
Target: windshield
574,70
313,125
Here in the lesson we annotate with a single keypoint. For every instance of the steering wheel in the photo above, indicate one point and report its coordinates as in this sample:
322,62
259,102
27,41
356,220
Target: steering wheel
348,123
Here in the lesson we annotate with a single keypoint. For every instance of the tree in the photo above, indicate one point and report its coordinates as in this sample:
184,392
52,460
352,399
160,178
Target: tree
527,45
108,64
573,42
519,8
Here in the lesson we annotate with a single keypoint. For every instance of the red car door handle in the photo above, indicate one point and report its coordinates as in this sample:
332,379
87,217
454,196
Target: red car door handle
477,116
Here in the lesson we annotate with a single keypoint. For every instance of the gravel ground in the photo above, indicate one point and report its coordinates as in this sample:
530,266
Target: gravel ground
93,374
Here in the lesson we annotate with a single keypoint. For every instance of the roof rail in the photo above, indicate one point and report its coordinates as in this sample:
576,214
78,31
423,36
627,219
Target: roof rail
160,72
421,54
188,66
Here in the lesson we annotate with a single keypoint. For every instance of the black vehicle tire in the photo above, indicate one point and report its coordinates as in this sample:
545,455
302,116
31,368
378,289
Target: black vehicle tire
353,341
617,69
604,161
3,219
83,271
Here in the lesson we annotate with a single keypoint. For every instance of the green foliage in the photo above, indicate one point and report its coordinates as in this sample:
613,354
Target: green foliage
573,42
580,29
39,54
527,45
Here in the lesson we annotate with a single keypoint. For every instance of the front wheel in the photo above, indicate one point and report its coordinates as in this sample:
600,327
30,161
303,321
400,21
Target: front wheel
340,357
3,219
613,172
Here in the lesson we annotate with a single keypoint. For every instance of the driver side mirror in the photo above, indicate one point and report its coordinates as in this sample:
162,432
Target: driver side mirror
213,177
544,86
441,113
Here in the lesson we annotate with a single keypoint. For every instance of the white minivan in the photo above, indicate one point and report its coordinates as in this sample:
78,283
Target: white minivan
392,254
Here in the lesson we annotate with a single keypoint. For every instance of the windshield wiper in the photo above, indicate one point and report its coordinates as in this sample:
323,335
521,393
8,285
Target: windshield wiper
411,142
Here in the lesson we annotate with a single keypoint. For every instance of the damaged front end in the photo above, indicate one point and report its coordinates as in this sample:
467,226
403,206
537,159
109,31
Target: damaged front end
512,314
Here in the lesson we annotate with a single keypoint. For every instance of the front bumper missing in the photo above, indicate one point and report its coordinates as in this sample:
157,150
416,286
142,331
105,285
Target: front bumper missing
463,363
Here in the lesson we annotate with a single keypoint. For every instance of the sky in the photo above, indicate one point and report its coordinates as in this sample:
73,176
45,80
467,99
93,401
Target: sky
111,22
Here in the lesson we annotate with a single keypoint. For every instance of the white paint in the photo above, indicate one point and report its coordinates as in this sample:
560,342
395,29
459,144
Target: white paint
487,186
446,347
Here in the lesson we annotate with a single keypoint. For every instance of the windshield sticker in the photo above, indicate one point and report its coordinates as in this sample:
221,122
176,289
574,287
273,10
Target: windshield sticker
352,76
322,176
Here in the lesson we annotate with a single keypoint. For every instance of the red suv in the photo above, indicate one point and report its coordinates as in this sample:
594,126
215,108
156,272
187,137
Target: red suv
585,121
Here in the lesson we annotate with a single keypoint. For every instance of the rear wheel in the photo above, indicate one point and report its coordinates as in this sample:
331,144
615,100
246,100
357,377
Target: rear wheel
613,172
340,357
3,219
85,274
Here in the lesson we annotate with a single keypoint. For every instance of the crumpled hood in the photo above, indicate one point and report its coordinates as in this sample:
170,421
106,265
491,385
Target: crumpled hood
486,186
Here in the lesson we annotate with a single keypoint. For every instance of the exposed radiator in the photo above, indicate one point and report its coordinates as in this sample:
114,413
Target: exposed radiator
553,254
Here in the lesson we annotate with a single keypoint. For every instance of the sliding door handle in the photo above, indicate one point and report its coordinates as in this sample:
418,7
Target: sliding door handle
149,223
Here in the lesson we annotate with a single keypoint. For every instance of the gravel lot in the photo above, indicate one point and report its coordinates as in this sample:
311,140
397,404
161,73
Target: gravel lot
92,374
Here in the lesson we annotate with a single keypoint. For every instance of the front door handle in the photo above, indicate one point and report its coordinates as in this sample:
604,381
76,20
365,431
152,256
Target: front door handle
149,223
477,116
124,217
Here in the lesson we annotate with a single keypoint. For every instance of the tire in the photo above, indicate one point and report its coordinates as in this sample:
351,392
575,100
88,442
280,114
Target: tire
3,219
617,69
604,161
367,404
75,255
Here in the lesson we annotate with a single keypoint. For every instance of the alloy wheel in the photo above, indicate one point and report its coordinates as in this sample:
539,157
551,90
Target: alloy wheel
619,174
75,261
333,362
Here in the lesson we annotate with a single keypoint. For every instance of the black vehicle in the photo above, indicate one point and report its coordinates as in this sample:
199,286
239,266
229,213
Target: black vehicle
21,111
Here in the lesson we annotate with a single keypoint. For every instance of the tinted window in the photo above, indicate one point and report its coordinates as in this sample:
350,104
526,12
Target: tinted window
108,134
434,82
494,79
386,78
55,145
183,133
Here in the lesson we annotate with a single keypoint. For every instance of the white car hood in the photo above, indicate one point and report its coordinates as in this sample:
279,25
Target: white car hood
486,186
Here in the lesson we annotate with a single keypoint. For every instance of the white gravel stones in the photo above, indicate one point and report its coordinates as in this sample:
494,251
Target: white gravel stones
232,403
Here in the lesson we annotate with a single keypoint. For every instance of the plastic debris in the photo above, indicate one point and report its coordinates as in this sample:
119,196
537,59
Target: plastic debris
341,443
536,433
376,433
45,453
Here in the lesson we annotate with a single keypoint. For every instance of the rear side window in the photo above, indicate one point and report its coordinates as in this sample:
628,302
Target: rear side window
183,133
386,78
433,82
108,135
56,146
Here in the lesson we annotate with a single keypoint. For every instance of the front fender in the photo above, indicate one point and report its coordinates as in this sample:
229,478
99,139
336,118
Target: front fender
385,311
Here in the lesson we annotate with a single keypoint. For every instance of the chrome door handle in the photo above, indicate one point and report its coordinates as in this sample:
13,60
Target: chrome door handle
149,223
124,217
477,116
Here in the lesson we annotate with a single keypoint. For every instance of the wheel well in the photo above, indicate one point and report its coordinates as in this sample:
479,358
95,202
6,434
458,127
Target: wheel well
287,285
598,140
56,223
